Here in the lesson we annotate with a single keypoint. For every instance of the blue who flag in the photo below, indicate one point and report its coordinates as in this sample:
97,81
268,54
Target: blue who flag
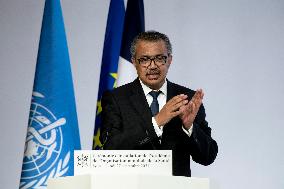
111,51
134,23
53,133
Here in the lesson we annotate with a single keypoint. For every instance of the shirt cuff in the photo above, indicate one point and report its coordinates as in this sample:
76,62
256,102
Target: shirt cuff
189,131
158,130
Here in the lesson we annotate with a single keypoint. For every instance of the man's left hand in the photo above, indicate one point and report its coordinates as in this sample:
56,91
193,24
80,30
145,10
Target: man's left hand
190,110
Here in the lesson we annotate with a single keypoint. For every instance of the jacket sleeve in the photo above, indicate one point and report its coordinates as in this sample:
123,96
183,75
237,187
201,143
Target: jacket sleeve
111,122
205,148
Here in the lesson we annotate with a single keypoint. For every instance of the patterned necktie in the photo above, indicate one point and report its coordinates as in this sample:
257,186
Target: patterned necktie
154,105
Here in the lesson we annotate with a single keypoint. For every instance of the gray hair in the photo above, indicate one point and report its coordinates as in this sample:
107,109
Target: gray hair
151,36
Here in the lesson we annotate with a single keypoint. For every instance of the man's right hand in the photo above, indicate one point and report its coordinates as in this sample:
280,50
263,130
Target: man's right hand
171,109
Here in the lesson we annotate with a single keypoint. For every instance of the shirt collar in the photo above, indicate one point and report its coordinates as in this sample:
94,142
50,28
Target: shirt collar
147,89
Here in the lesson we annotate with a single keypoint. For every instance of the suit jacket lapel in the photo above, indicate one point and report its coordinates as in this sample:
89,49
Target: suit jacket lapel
171,91
139,102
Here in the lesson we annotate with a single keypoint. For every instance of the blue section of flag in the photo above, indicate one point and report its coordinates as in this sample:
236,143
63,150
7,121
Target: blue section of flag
133,25
110,57
53,132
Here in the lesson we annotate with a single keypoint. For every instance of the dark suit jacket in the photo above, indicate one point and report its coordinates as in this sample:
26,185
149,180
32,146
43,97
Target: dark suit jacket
127,125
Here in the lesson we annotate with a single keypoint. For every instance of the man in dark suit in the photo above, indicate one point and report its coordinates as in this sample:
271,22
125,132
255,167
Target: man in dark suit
154,113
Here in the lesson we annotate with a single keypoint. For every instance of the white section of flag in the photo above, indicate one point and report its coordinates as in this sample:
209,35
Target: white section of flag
126,72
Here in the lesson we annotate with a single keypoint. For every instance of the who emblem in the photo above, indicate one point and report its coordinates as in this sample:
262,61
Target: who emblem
43,158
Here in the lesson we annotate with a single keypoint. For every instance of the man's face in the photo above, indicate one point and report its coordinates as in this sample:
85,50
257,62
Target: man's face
152,72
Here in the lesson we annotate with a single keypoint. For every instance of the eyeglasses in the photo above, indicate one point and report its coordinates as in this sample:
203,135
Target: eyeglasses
158,60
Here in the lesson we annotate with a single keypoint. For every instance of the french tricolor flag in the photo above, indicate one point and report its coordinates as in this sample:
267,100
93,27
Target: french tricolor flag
134,24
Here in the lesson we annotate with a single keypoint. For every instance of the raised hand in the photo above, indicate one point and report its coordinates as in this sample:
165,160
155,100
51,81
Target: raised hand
171,109
189,111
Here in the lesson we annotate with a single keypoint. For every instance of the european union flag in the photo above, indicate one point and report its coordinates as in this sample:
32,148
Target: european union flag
111,51
53,132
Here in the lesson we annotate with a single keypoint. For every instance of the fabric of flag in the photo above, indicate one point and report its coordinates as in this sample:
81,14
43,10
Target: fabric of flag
111,51
53,133
134,24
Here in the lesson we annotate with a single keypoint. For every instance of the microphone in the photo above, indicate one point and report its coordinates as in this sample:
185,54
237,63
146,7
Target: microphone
147,140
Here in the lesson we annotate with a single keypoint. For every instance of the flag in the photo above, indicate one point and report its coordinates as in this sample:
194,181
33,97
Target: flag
111,51
117,68
52,134
134,24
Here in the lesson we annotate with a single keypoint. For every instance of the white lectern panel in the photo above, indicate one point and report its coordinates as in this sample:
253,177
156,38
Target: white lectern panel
127,182
125,169
153,162
76,182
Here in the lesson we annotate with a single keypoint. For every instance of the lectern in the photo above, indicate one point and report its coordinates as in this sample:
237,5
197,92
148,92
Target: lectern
125,181
125,169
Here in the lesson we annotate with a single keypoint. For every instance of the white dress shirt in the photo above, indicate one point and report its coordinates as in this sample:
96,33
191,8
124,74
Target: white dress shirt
162,100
